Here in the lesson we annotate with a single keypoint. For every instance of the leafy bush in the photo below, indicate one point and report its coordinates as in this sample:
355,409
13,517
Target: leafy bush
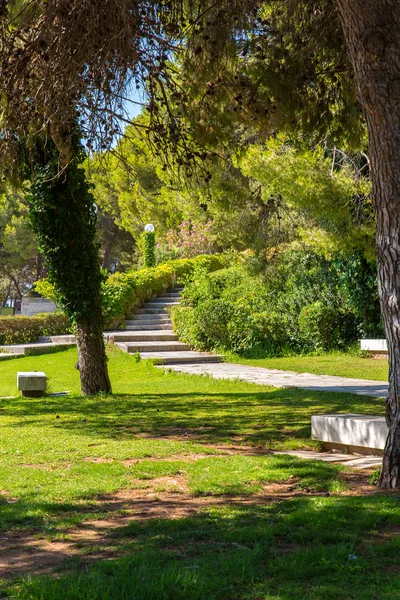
324,327
149,244
302,303
24,330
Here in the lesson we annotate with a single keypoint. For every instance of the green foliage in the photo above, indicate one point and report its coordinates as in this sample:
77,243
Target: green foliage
62,213
19,262
324,327
300,304
149,249
24,330
46,289
327,189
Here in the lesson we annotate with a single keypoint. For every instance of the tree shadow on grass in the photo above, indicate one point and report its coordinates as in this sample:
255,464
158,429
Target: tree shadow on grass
217,477
310,548
253,417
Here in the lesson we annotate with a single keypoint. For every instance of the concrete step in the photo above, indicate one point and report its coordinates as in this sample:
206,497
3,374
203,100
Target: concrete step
142,336
144,317
7,355
34,349
160,304
57,339
173,358
167,323
150,311
154,347
161,300
143,326
168,296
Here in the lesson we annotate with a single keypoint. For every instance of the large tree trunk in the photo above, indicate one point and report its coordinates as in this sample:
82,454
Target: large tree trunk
63,215
372,32
92,362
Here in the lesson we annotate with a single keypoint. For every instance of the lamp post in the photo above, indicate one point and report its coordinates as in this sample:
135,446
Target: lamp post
149,246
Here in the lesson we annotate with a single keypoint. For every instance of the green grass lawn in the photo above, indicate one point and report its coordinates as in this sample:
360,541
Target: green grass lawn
342,364
182,439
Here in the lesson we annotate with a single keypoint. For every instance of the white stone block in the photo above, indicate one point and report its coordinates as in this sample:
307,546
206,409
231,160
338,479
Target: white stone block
374,345
31,381
350,430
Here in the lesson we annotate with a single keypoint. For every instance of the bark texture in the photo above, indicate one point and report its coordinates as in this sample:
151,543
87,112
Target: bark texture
372,32
92,361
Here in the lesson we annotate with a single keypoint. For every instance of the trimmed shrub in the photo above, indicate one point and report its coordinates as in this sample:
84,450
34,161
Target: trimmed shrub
149,253
24,330
298,305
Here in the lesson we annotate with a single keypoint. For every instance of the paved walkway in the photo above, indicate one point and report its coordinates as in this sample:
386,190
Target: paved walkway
350,460
287,379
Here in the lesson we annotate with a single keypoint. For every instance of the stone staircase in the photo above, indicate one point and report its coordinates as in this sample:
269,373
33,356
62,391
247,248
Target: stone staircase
148,332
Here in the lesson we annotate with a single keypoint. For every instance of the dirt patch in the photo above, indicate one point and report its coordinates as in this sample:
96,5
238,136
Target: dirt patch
22,553
357,482
44,466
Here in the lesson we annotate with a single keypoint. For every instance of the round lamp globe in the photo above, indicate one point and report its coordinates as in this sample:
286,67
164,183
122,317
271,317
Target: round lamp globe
149,228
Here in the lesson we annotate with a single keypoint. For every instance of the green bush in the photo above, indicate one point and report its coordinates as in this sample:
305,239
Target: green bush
325,327
24,330
149,252
301,303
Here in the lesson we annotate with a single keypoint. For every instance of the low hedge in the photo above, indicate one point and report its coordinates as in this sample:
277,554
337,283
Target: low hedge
123,292
24,330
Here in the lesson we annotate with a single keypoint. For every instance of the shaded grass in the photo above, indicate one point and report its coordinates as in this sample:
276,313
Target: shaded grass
341,364
309,548
45,443
58,454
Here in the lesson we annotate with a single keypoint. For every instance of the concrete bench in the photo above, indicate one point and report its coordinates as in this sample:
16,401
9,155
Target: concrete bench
32,384
365,434
377,347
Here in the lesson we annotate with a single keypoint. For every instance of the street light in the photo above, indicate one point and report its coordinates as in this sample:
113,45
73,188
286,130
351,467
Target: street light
149,228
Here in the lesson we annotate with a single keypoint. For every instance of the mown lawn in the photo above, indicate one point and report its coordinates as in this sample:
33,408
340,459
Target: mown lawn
342,364
264,526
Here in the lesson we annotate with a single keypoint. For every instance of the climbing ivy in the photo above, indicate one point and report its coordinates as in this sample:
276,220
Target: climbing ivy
63,216
149,243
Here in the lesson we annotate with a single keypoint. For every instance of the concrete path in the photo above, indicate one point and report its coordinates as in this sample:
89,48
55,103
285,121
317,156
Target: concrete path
287,379
350,460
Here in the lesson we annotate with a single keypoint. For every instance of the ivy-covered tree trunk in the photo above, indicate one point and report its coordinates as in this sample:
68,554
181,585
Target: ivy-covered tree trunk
372,31
63,215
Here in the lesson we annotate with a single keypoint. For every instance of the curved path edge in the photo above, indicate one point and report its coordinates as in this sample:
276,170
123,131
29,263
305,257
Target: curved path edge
286,379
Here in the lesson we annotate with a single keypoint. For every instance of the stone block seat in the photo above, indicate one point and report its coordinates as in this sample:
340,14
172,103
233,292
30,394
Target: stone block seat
32,384
376,347
364,434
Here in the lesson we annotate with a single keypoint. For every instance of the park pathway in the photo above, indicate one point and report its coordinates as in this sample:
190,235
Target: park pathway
306,381
286,379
